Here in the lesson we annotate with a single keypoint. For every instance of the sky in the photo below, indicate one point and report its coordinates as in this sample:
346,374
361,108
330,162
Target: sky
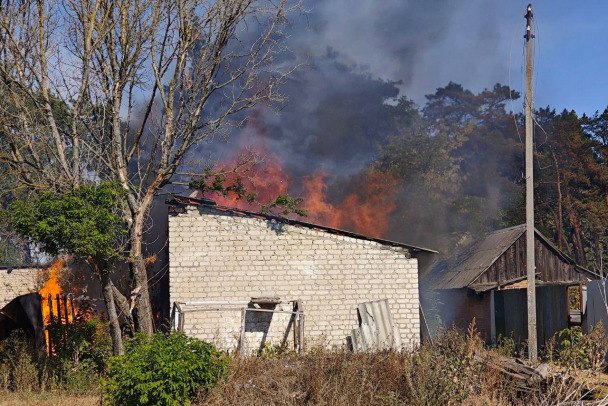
572,54
426,44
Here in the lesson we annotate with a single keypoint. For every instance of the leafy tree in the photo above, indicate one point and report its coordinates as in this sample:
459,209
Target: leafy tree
146,83
86,223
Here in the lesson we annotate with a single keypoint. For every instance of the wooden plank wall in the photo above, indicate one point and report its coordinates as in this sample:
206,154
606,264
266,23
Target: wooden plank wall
511,265
551,313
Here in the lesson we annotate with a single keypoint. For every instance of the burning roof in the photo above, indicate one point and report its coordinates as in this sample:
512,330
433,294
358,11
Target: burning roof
181,201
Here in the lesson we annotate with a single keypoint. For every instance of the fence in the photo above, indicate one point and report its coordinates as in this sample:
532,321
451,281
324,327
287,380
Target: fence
255,316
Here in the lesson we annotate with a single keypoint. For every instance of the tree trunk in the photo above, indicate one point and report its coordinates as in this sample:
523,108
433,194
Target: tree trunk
577,233
560,237
144,318
108,298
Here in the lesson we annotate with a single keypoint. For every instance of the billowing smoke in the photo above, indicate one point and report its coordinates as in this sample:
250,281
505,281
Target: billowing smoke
357,58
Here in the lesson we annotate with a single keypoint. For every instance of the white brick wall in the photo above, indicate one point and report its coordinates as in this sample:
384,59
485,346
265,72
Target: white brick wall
216,255
18,282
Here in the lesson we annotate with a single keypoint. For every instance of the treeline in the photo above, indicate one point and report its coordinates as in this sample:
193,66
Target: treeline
459,161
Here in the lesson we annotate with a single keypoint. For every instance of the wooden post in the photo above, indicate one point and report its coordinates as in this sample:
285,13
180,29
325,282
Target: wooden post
50,303
58,300
530,262
242,336
65,308
51,320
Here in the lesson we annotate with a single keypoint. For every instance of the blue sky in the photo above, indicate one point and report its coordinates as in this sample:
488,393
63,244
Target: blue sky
477,43
572,54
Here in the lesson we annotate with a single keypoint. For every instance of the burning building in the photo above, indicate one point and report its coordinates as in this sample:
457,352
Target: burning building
224,262
485,281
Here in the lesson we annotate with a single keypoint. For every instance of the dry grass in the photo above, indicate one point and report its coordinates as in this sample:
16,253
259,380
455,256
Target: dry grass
46,399
449,372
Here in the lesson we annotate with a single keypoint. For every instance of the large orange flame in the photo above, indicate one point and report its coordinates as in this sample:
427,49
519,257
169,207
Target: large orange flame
366,211
51,288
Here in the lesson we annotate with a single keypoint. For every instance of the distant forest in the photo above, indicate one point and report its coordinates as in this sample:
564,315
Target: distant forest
446,171
460,165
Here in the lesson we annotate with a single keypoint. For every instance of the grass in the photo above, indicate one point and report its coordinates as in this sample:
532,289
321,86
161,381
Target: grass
452,371
46,399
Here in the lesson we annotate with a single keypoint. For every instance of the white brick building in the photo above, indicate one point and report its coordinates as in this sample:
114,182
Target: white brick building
17,281
218,254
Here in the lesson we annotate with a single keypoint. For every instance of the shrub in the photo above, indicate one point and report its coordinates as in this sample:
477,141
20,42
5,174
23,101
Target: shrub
80,353
86,340
18,366
163,369
573,349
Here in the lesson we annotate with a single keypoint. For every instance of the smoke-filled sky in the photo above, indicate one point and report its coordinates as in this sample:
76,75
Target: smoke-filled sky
477,43
359,55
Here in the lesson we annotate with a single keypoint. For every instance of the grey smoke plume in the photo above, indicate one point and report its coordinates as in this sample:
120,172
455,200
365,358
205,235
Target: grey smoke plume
357,57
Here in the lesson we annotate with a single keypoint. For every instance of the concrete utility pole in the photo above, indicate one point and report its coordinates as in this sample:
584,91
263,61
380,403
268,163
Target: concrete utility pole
530,262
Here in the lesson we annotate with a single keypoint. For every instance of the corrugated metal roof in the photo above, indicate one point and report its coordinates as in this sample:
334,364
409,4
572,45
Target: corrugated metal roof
474,259
190,201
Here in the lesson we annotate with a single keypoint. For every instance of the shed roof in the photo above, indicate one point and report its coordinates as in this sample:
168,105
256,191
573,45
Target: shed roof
190,201
474,259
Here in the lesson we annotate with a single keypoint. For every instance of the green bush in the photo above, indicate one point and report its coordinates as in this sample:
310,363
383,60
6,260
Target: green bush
573,349
164,369
86,340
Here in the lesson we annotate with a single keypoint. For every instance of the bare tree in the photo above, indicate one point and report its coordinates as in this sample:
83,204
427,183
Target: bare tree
124,90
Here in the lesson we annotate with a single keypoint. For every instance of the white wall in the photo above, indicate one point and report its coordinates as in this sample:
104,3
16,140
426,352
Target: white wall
217,255
18,282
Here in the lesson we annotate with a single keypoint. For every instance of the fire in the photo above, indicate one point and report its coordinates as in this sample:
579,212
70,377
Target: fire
51,288
366,211
267,179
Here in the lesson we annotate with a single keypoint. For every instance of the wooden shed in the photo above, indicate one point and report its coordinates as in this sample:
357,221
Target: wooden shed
486,281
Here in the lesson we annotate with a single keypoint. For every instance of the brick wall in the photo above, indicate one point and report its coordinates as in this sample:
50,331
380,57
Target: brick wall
220,256
18,281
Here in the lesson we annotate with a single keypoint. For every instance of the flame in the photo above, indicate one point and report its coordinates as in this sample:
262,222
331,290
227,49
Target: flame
366,211
266,179
51,288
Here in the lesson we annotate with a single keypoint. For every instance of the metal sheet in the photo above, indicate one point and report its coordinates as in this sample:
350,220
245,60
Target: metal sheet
377,328
596,306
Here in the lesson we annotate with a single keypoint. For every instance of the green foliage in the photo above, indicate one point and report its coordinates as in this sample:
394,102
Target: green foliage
506,346
85,341
164,369
286,205
232,183
86,222
76,365
573,349
218,182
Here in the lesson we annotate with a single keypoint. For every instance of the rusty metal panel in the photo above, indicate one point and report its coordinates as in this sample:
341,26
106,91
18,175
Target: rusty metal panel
377,328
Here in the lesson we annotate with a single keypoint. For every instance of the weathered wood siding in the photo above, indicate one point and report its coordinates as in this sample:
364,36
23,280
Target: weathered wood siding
511,315
511,266
458,308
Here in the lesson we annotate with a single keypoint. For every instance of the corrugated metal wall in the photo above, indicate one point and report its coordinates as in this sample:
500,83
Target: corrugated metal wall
597,307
